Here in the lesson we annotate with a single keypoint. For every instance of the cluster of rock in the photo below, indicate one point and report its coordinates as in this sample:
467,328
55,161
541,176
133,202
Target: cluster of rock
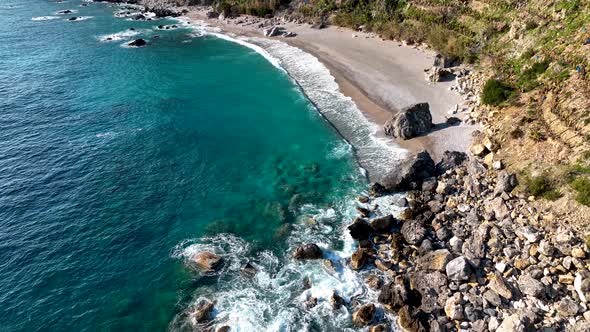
468,255
468,86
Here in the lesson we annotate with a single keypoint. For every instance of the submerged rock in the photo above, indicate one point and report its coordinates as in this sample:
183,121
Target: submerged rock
206,260
410,122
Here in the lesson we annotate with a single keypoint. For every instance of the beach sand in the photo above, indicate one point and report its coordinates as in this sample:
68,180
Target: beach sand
380,76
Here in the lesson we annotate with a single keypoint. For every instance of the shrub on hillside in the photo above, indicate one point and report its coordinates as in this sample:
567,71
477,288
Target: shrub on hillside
582,187
542,186
495,92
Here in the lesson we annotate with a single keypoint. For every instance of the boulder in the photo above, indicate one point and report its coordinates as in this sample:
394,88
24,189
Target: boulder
567,307
137,43
273,31
364,315
336,301
450,160
248,269
382,224
409,172
360,230
410,122
438,74
505,182
499,285
396,294
458,269
530,286
412,320
435,260
203,311
413,232
206,260
512,323
308,251
212,14
358,259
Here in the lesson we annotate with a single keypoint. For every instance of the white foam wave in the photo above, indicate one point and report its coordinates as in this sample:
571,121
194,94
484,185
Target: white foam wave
122,35
258,49
44,18
79,18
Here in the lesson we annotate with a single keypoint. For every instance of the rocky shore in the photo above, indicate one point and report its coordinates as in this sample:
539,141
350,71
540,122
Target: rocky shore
467,254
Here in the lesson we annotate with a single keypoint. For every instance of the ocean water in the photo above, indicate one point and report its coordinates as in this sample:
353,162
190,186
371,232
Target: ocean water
118,163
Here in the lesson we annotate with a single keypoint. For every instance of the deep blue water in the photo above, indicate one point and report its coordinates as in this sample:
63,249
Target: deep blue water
116,162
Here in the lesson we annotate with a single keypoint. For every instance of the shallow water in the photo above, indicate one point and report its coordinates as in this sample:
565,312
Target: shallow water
117,163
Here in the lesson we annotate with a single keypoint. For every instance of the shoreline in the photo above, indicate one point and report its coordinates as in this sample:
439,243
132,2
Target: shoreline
393,72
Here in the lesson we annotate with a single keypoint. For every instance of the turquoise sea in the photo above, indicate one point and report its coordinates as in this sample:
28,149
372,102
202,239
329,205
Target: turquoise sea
117,163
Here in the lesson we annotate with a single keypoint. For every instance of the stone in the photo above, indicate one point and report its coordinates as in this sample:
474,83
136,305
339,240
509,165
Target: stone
248,269
411,320
435,260
364,315
512,323
546,249
373,281
409,172
382,224
137,43
211,14
223,328
336,301
358,259
567,307
203,310
499,285
459,269
206,260
499,208
395,294
413,232
478,150
566,279
578,253
450,160
528,233
379,328
453,308
308,251
505,183
360,230
530,286
410,122
582,286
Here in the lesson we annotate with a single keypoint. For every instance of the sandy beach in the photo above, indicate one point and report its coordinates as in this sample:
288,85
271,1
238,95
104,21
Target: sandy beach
380,76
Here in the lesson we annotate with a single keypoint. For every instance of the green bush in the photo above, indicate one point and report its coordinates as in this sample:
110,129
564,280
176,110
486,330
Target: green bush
582,187
495,92
542,186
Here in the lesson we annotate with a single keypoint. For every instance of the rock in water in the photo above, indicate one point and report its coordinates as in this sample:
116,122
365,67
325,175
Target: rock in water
364,315
137,43
360,230
410,122
203,311
206,260
409,173
308,251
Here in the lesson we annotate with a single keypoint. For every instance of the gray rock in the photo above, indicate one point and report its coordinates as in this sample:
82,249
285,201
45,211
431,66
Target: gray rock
410,122
512,323
413,232
364,315
408,172
459,269
505,182
450,160
567,307
530,286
